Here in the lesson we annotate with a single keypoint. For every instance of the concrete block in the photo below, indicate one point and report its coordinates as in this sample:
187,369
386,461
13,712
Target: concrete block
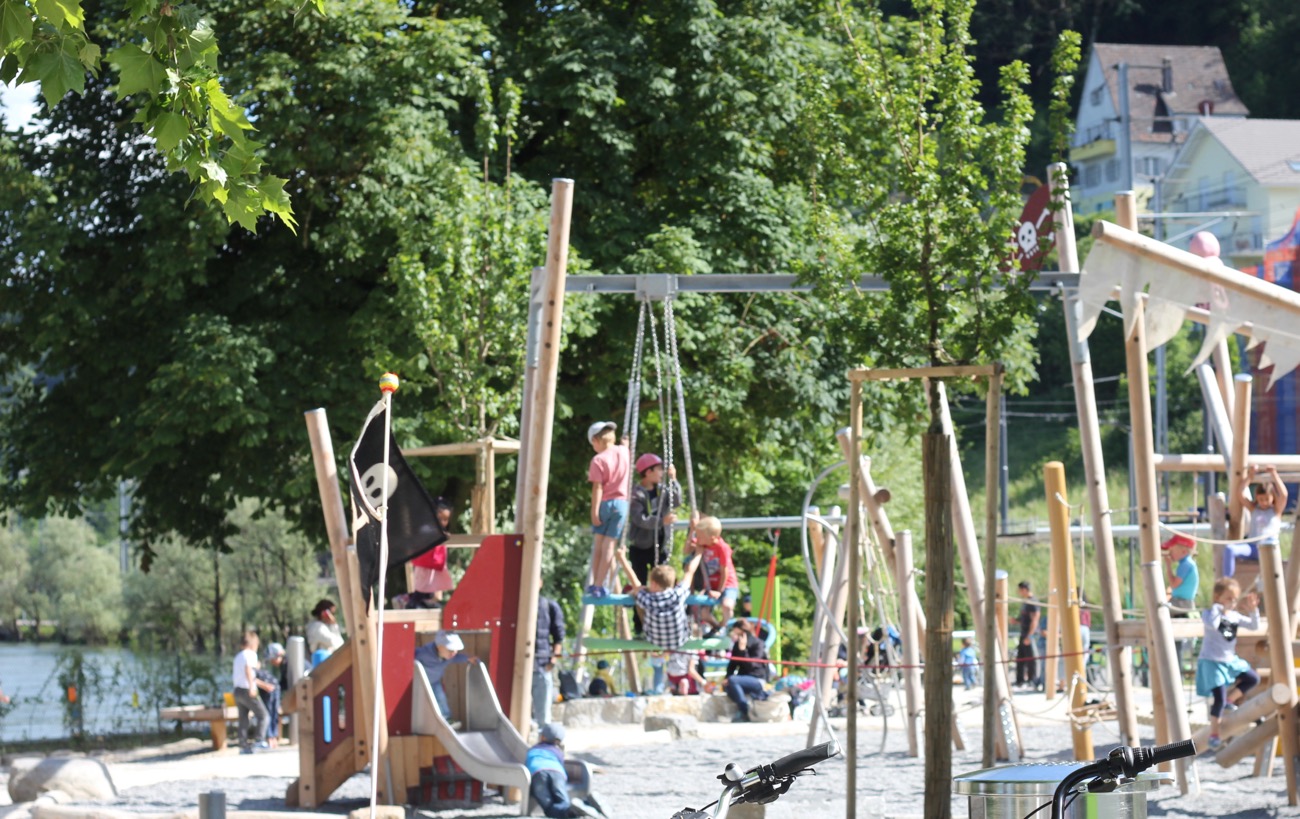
679,725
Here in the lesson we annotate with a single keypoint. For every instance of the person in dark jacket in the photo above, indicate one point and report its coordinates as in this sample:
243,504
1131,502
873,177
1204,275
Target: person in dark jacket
745,676
550,643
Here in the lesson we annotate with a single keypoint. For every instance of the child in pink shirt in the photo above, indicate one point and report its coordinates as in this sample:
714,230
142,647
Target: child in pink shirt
719,572
608,475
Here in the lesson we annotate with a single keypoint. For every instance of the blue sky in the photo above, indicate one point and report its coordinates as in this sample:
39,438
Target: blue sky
19,104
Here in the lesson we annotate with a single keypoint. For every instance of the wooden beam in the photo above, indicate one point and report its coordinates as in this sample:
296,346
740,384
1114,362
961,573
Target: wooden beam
1213,272
906,373
499,446
911,642
1240,452
541,420
1281,660
1214,462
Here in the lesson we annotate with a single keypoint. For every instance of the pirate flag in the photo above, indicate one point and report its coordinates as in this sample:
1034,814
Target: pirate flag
413,527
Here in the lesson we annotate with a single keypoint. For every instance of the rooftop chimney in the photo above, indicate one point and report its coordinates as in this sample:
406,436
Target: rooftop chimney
1166,75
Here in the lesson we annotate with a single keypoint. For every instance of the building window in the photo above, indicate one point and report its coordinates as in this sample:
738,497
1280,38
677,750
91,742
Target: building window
1149,165
1095,96
1092,175
1112,170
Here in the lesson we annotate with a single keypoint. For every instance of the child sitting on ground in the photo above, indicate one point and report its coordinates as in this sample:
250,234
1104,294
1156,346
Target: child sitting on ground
684,673
662,602
602,684
608,476
1219,670
1265,517
720,581
446,650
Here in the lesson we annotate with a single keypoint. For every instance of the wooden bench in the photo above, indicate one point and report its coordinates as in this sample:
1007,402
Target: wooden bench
214,716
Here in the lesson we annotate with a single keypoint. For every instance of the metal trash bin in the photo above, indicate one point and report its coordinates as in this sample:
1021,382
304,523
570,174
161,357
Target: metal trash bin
1013,791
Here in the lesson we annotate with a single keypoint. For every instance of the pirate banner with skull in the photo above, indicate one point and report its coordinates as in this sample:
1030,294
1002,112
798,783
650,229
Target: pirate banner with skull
1034,231
413,527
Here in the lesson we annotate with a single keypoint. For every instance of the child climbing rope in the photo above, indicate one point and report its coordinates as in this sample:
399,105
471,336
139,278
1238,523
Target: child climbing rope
1219,670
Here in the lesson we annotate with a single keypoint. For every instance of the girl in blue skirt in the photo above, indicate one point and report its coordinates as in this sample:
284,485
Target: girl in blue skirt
1219,669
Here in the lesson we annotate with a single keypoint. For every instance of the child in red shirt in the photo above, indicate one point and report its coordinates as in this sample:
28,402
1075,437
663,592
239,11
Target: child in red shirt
720,581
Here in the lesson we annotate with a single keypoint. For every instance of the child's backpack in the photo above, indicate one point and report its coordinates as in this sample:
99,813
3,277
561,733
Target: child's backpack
569,688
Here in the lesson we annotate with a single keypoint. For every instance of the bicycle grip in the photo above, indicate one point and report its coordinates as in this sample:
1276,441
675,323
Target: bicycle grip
799,760
1172,751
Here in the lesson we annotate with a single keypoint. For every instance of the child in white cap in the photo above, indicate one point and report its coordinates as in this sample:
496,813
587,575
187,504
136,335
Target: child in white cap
446,649
608,475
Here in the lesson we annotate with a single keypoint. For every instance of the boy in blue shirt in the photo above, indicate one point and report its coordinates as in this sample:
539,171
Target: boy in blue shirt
549,786
968,659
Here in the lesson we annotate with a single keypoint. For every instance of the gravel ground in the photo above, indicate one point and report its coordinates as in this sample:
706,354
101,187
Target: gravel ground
642,774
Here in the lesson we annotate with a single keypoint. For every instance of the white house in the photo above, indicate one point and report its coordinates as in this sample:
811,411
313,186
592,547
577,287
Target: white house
1168,87
1246,169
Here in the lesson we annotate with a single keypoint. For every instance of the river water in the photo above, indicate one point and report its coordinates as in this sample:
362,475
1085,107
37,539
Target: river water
116,690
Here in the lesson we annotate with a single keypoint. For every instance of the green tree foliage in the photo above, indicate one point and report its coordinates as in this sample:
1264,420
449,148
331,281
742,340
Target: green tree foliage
14,581
164,56
273,573
180,353
74,580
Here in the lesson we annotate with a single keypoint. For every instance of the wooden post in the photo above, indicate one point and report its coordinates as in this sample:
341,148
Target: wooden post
997,690
940,594
1120,660
331,501
1223,375
816,542
1293,574
1240,453
911,640
852,539
1161,641
532,354
1218,511
825,638
1281,657
541,417
1001,588
1058,516
1053,614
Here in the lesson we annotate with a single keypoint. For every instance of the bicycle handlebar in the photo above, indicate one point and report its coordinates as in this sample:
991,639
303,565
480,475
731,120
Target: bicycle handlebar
1123,761
799,760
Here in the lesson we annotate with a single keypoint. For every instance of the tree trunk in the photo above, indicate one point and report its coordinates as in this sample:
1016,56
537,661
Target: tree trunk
939,596
217,648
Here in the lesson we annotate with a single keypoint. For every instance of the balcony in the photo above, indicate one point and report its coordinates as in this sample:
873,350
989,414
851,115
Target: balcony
1093,150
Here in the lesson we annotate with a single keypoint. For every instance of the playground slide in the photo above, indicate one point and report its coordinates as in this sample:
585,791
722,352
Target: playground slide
488,748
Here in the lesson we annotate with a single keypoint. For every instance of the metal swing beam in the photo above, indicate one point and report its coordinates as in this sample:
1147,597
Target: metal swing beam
660,286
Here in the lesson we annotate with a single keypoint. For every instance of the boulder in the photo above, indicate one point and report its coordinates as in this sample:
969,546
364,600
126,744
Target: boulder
679,725
80,778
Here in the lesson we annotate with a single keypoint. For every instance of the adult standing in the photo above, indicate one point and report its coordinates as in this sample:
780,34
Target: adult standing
550,642
323,634
245,682
1026,658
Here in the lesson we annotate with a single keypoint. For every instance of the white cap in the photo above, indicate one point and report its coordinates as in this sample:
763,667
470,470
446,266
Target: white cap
599,427
447,639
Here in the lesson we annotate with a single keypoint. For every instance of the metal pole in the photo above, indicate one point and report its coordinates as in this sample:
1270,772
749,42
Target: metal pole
1004,468
212,805
296,657
1125,129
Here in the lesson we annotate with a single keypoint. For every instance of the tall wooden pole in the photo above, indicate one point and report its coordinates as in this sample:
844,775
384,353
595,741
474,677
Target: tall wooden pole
1281,658
852,537
1240,454
911,643
940,594
995,673
1058,516
1160,629
1120,659
331,501
976,589
541,417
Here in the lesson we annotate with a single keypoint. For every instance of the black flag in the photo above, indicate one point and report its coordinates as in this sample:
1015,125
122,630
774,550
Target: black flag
413,527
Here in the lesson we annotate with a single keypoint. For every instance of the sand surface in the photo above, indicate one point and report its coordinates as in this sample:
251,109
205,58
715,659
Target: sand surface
649,774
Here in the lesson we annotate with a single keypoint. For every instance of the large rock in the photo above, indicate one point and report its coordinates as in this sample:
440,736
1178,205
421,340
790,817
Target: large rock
80,778
679,725
593,711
